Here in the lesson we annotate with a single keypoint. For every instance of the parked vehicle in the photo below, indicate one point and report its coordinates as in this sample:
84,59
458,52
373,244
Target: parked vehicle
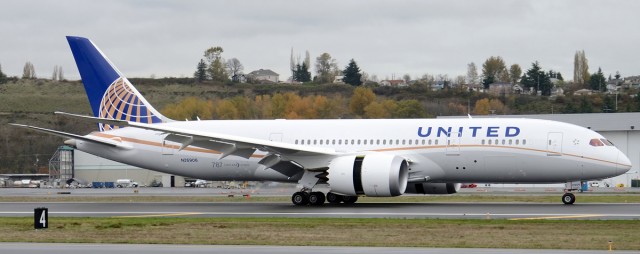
126,183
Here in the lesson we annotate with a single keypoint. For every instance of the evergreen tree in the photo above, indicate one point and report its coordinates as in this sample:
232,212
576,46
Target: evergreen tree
201,71
538,79
609,105
598,82
570,108
302,73
352,75
585,105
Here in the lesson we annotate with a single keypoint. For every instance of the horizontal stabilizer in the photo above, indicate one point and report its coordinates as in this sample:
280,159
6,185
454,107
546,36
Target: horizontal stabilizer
92,119
91,139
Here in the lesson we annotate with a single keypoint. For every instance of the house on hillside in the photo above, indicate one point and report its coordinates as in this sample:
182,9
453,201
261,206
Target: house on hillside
503,88
262,75
338,80
583,92
394,83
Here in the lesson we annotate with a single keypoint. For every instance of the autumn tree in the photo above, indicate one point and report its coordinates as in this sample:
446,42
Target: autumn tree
190,108
28,72
326,68
515,72
472,73
482,107
201,71
580,68
381,110
361,98
235,69
216,70
352,75
494,70
409,109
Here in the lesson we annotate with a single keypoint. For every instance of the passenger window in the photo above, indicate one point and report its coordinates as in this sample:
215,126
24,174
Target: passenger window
333,142
315,141
489,141
423,142
524,142
518,142
358,142
510,141
503,141
483,141
429,141
321,141
403,142
410,141
296,141
436,142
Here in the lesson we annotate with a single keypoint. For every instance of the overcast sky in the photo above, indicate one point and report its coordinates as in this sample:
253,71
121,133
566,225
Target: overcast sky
168,38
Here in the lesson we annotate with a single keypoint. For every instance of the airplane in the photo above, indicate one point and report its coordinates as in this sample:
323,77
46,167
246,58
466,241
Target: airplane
357,157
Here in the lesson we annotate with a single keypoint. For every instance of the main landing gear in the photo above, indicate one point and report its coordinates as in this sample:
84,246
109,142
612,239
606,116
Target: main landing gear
316,198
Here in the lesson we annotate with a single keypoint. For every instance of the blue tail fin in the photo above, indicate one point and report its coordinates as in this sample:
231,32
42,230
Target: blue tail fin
110,94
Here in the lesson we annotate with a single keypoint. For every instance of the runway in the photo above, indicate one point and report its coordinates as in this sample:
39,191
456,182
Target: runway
513,211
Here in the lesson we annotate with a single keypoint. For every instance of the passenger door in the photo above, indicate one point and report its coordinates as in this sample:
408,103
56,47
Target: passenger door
554,144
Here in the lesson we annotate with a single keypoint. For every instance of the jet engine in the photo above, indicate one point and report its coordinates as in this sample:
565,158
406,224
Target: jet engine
375,175
433,188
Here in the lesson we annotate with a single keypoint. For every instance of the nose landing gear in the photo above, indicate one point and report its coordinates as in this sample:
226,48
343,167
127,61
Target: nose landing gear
568,198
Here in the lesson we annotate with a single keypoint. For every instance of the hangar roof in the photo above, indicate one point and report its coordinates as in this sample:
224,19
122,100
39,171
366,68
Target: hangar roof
595,121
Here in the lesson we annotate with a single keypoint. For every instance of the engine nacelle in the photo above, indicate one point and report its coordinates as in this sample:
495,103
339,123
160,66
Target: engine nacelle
375,175
433,188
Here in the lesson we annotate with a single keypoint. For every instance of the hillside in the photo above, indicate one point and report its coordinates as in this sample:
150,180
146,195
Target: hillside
34,101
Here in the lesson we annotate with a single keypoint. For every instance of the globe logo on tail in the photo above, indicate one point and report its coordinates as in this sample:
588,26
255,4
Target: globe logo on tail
121,102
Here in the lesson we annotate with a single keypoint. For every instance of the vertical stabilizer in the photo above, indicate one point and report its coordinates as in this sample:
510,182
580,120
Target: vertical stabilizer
110,94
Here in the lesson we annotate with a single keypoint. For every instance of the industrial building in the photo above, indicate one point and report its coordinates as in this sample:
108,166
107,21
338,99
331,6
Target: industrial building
620,128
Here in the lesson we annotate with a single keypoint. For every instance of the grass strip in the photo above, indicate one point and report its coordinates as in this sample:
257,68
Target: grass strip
449,233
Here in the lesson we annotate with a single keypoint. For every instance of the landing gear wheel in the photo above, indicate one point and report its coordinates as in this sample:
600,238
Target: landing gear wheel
349,199
300,198
334,198
568,198
316,198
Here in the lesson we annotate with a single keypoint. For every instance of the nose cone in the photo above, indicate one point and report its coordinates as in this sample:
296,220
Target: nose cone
624,164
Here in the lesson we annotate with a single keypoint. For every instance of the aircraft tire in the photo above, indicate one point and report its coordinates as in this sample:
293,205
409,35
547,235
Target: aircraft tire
334,198
349,199
300,198
568,198
316,198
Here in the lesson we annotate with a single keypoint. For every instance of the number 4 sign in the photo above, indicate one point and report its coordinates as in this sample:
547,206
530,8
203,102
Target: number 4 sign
41,218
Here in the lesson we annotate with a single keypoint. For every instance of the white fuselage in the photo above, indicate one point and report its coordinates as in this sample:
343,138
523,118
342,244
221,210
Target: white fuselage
439,150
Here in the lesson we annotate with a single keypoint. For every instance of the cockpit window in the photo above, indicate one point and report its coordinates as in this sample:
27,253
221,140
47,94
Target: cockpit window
606,142
596,142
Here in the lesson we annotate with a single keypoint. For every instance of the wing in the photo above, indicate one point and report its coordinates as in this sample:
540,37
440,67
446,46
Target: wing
307,157
304,156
